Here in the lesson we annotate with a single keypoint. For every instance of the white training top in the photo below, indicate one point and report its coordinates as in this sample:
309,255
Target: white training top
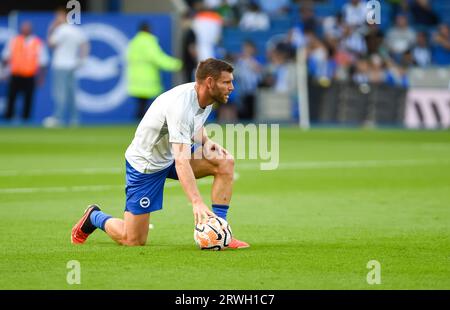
174,117
67,40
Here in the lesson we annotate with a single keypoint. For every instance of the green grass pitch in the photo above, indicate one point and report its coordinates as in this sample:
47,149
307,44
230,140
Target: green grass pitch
339,199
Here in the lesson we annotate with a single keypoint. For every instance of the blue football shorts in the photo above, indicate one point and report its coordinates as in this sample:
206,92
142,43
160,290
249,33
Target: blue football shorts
144,191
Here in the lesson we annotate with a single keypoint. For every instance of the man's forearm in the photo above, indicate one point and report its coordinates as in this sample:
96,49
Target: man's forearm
187,179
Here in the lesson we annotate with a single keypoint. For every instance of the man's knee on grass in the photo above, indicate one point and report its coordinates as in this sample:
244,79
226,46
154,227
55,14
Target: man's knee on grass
135,242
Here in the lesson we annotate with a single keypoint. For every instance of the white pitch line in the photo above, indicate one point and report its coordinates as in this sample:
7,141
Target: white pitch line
243,166
299,165
87,188
345,164
59,141
58,189
36,172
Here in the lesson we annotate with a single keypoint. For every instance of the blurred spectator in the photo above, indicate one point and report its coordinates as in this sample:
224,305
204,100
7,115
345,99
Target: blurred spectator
421,52
189,48
229,12
374,39
423,14
27,58
321,69
377,72
274,8
71,48
396,75
376,69
355,13
332,33
193,4
407,60
441,48
398,7
216,5
207,26
361,74
353,42
344,61
248,74
145,60
295,37
280,73
333,27
317,58
308,19
400,38
305,22
254,19
212,4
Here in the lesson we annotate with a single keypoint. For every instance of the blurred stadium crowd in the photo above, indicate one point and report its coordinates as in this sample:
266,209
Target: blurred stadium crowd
261,38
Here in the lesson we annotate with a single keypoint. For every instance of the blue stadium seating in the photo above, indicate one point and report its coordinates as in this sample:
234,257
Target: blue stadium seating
233,36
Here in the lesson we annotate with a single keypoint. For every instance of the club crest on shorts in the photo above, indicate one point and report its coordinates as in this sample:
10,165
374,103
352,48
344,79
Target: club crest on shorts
144,202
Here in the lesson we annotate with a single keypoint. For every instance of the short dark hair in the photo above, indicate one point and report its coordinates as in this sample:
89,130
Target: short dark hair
212,67
144,26
61,9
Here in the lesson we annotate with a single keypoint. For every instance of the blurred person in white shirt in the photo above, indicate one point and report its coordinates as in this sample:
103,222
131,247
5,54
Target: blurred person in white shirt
400,38
207,26
274,7
248,76
254,19
70,49
355,13
422,52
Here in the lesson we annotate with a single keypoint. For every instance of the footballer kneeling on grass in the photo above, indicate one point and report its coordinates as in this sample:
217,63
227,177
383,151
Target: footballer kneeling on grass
163,148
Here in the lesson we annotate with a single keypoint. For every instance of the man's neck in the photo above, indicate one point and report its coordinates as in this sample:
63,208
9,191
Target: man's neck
204,99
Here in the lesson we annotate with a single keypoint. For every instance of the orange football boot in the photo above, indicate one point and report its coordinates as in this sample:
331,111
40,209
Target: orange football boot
84,227
237,244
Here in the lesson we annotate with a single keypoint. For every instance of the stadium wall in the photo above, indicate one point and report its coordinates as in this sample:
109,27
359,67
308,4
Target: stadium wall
428,100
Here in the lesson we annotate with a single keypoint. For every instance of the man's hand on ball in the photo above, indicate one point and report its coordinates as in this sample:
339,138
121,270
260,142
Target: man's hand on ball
201,212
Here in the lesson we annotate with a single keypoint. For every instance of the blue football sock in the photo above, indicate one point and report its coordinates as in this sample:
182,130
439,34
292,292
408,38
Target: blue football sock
98,219
220,210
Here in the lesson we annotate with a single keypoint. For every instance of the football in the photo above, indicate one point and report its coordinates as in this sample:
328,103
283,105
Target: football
215,234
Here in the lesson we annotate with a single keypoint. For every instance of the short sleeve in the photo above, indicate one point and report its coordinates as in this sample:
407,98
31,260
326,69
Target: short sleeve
6,54
179,123
43,56
56,36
